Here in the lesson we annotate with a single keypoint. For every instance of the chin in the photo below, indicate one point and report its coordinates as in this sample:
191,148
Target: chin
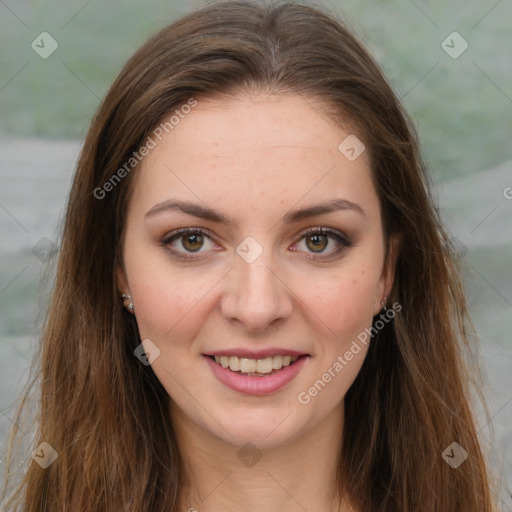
263,428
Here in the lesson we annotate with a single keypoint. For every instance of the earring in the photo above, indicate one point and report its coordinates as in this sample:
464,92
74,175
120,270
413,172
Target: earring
383,302
125,297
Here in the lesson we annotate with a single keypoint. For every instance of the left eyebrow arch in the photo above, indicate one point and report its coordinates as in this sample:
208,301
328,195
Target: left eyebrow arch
204,212
321,209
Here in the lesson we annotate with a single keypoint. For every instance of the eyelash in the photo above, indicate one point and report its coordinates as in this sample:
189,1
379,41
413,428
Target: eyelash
342,239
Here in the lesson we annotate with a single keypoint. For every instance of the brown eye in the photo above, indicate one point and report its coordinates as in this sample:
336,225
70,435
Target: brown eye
317,243
322,243
188,241
192,243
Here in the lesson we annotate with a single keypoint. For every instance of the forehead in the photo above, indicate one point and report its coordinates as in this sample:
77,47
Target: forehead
248,123
252,151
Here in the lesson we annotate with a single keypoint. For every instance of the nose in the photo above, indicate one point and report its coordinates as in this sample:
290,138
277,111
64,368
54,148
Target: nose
255,295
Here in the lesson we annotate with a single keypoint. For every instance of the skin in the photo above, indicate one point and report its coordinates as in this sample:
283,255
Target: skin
254,158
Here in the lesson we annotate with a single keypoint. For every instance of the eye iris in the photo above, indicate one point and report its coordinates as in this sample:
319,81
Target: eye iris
195,240
319,242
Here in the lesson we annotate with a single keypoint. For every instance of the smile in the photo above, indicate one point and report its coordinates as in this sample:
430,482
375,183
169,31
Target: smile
256,376
255,367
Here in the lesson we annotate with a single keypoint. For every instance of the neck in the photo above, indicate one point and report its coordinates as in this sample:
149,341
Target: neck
296,476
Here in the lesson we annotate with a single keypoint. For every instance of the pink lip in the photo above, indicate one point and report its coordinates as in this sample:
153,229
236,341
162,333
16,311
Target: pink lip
256,385
255,354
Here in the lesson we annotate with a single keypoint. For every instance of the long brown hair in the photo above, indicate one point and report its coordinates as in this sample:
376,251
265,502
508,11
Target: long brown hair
107,415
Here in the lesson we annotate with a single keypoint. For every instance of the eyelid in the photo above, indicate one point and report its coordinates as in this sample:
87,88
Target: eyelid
340,237
187,231
182,232
185,256
326,231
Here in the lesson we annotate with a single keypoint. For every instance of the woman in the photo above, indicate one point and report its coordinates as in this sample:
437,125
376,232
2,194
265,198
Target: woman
255,305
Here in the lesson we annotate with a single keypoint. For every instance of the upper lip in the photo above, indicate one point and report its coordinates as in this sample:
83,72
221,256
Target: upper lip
255,354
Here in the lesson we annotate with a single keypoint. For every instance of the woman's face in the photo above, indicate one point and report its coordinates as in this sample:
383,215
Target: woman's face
250,285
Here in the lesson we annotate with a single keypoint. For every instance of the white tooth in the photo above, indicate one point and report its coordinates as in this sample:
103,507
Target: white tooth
277,362
253,366
264,365
234,364
247,365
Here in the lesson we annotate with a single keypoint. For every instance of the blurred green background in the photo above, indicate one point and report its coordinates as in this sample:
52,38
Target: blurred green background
461,106
464,119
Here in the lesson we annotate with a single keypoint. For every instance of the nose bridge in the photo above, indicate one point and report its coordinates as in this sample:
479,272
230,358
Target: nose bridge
255,295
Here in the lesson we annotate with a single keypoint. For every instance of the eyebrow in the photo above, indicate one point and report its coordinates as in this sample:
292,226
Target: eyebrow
291,217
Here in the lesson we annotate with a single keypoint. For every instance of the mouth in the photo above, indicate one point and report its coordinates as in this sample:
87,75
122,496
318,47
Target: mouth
255,367
262,376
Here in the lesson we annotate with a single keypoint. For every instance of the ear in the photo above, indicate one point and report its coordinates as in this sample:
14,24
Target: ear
387,277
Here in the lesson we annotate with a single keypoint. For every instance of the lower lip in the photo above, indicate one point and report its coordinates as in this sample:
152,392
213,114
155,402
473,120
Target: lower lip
256,385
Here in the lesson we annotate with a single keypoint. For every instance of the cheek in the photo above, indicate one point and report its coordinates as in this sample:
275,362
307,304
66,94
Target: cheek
167,298
343,302
165,311
344,309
